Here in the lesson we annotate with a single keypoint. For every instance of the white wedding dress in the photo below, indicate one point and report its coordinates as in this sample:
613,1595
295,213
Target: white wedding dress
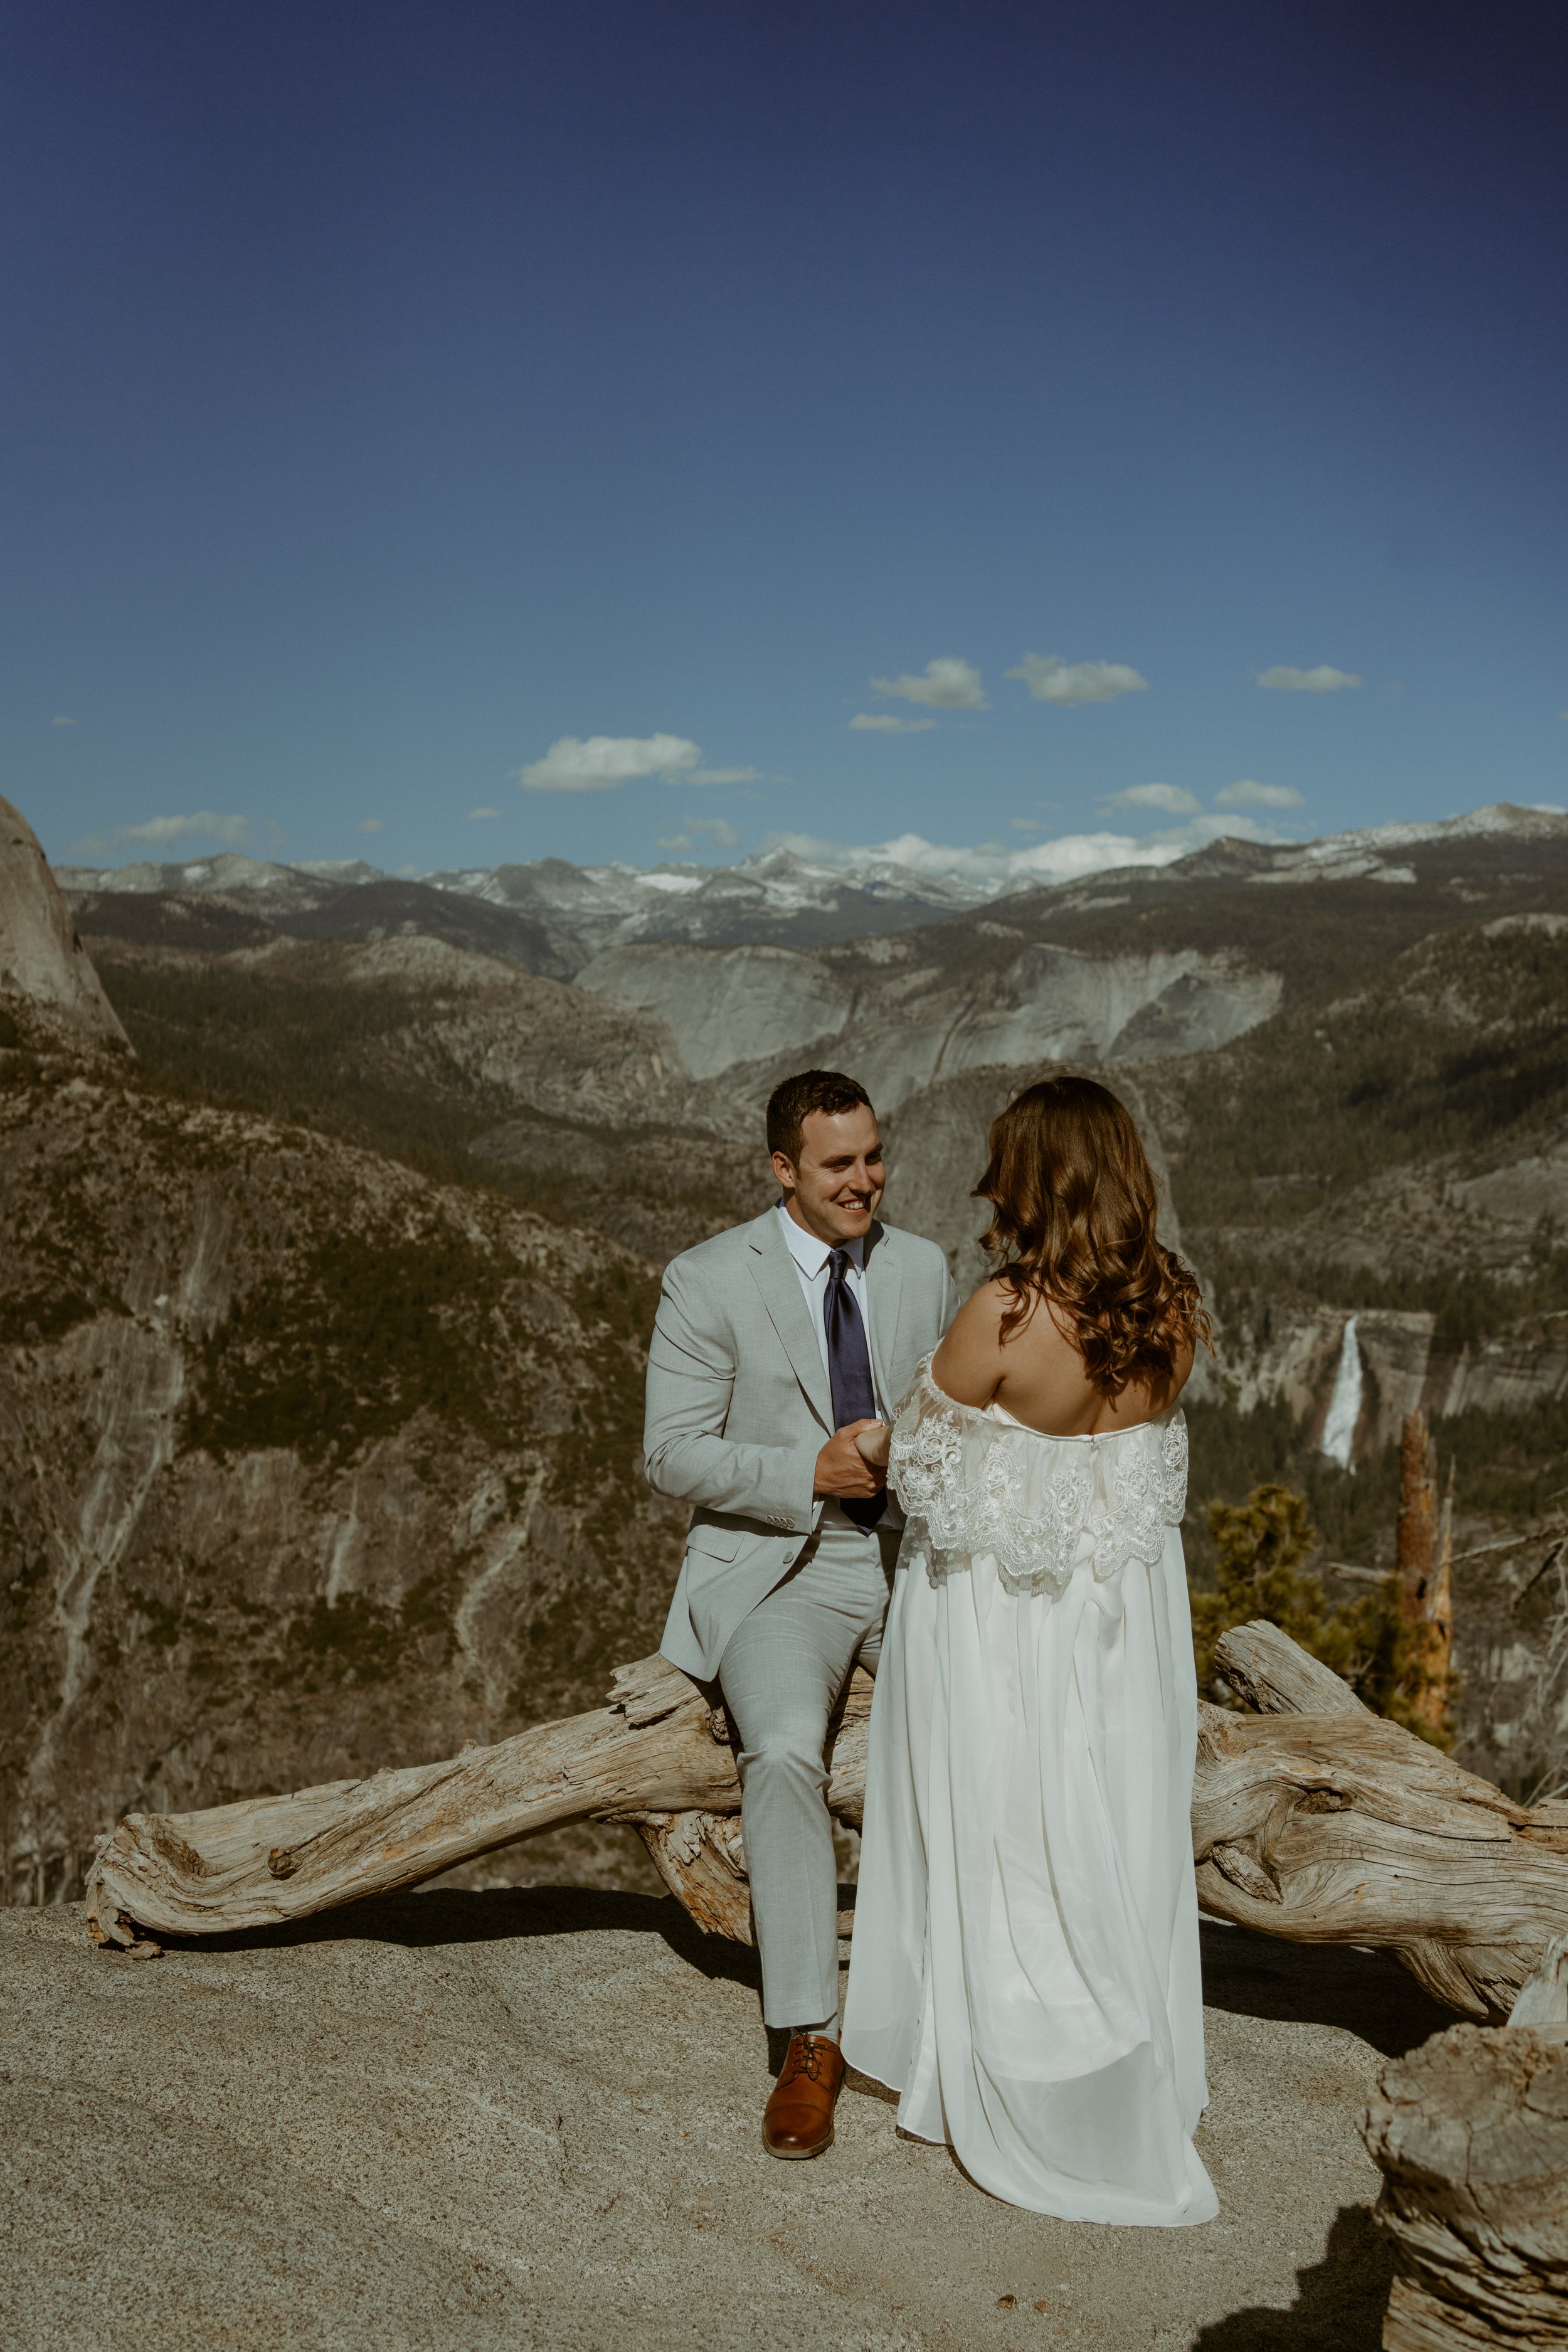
1025,1968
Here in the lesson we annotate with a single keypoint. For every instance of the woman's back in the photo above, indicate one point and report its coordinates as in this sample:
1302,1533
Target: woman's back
1038,1374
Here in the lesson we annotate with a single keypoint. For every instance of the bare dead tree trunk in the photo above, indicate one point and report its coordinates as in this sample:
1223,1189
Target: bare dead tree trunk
655,1748
1417,1532
1423,1579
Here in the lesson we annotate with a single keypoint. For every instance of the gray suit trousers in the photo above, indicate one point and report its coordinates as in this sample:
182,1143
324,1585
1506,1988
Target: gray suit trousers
782,1671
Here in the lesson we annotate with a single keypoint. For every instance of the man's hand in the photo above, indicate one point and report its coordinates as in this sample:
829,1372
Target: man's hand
843,1469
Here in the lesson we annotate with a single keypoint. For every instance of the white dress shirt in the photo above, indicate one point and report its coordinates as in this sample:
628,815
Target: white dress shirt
811,1257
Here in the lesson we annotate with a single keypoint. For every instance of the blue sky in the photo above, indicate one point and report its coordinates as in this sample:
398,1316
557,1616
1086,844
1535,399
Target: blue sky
392,394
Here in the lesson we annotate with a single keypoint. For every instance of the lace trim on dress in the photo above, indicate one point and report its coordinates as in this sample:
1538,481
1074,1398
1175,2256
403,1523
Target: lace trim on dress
1039,1505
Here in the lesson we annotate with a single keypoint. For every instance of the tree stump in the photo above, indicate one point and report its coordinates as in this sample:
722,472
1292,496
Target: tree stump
1470,2133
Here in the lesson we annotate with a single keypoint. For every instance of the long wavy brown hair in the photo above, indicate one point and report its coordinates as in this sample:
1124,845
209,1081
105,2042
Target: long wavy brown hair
1072,1221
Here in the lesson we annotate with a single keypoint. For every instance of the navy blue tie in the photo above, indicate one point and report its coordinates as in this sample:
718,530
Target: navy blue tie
850,1376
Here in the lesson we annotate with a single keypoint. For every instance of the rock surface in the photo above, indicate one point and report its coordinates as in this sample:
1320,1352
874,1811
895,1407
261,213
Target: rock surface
308,1464
900,1029
41,958
529,2120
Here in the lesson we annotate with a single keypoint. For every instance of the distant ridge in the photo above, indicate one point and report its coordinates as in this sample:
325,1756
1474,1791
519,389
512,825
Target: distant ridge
568,912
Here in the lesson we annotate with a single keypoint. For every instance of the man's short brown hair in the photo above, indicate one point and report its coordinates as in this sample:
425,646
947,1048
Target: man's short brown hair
788,1105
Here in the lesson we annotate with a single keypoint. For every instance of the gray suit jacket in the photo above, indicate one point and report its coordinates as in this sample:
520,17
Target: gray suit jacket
739,1408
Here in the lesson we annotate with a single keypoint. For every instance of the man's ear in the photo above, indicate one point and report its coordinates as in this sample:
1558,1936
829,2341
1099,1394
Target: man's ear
784,1170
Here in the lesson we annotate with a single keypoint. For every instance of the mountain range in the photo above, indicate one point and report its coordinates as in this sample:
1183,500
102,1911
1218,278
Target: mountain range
560,914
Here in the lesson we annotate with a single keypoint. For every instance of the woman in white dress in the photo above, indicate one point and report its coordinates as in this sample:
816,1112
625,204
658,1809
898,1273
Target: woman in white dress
1026,1957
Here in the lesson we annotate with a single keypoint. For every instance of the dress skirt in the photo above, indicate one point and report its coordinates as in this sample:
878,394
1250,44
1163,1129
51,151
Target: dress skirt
1025,1970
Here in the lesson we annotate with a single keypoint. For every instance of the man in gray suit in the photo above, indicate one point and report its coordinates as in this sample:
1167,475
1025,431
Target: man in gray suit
777,1344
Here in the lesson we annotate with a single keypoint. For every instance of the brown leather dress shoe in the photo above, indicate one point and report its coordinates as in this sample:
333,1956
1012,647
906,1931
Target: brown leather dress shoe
798,2118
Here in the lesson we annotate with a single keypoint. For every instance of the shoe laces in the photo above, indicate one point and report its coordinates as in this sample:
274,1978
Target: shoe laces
805,2057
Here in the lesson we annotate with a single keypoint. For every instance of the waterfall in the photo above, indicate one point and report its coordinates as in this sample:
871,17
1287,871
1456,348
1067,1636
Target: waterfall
1344,1405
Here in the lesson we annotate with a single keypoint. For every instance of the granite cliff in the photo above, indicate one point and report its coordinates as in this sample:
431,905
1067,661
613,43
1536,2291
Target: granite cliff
310,1463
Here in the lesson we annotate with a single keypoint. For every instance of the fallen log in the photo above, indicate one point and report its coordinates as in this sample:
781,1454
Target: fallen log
1470,2134
1313,1820
657,1756
656,1747
1319,1822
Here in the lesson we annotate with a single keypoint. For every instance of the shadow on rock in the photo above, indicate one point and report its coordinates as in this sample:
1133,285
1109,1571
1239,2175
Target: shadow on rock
501,1914
1366,1993
1340,2303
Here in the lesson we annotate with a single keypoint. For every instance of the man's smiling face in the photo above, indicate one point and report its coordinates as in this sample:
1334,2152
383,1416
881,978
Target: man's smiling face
835,1189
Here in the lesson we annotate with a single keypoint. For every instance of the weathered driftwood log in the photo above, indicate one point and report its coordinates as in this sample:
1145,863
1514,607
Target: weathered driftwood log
1313,1820
1275,1675
1471,2136
655,1748
1319,1822
657,1756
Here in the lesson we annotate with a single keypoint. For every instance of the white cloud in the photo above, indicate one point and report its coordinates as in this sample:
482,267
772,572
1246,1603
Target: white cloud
162,829
1324,679
370,825
719,830
720,776
1051,679
62,722
474,814
1249,794
676,845
884,722
1171,798
599,762
993,868
949,684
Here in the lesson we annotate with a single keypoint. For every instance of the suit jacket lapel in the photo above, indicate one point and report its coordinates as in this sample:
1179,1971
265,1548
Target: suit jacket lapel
774,1270
885,1289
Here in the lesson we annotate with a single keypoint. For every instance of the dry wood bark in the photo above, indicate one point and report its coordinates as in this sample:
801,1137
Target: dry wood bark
1319,1822
658,1754
653,1748
1426,1540
1313,1820
1470,2133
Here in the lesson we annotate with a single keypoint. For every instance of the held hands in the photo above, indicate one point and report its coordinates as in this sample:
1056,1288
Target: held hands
843,1466
875,1441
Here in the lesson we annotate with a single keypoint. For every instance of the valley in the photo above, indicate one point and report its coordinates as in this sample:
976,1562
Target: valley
334,1210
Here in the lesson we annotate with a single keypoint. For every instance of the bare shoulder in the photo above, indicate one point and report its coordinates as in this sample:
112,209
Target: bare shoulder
968,1364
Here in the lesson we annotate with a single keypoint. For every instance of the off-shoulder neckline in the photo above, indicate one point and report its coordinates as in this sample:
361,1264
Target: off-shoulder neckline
1000,1418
